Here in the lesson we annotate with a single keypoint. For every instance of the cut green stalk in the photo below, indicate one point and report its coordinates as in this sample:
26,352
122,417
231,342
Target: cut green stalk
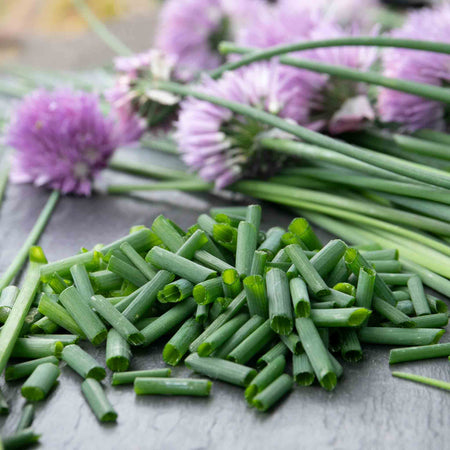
231,281
380,255
300,297
391,313
323,305
91,260
176,291
339,274
81,281
258,263
345,288
340,317
172,386
126,271
118,353
395,279
65,339
120,378
280,304
328,257
7,299
208,291
406,307
339,298
400,336
365,287
301,228
85,318
245,247
33,347
20,439
21,370
257,301
141,240
387,266
302,370
404,295
167,233
82,363
202,313
26,418
149,170
292,342
104,281
272,244
399,355
418,298
350,347
307,270
40,382
22,255
221,369
424,380
140,263
57,283
168,320
277,350
273,393
253,216
436,305
97,400
431,320
182,185
269,374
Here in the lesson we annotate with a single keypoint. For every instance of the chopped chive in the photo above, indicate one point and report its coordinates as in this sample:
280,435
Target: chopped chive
317,353
307,270
118,353
273,393
104,281
271,372
178,344
387,266
21,370
418,298
143,266
228,218
424,380
253,344
126,271
208,291
216,308
280,304
211,261
300,297
172,386
253,215
57,283
258,263
58,314
194,243
39,383
225,235
272,244
81,281
323,305
302,370
431,320
142,323
400,336
339,298
391,313
436,305
326,259
245,247
380,255
85,318
301,228
141,240
339,317
7,299
44,325
257,301
398,355
365,288
202,313
289,238
167,233
176,291
231,281
21,439
119,378
221,335
346,288
277,350
13,325
350,347
97,400
65,339
82,363
221,369
395,279
292,342
168,320
33,347
27,416
339,274
406,307
183,267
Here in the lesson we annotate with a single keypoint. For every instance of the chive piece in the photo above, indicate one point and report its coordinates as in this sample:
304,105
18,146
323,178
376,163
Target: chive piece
97,400
340,317
244,331
398,355
82,363
142,323
326,259
221,369
346,288
403,295
7,299
120,378
183,267
418,297
231,281
300,297
116,319
13,325
280,305
341,299
81,281
245,248
176,291
225,235
365,288
258,263
301,228
105,281
57,283
355,261
172,386
436,305
91,260
27,416
126,271
21,439
235,306
273,393
144,267
406,307
380,255
424,380
229,219
202,313
32,347
307,270
317,353
208,291
253,344
272,244
350,347
21,370
38,384
211,261
431,320
302,370
278,349
179,343
292,342
323,305
85,318
167,233
270,373
65,339
253,215
58,314
118,353
387,266
221,335
4,407
339,274
391,313
257,301
194,243
400,336
44,325
141,240
168,320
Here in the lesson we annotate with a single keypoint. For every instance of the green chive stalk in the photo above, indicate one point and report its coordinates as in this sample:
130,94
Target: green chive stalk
120,378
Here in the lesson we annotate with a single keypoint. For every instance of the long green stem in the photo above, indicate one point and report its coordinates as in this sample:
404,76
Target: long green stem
424,380
172,185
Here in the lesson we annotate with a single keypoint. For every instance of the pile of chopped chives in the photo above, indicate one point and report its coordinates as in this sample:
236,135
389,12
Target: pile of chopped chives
260,310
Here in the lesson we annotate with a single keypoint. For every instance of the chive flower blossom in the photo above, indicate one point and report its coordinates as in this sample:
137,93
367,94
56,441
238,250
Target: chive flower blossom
223,146
408,111
62,140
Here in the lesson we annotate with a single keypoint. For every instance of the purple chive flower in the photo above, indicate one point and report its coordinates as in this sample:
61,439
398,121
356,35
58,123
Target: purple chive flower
223,146
411,112
61,139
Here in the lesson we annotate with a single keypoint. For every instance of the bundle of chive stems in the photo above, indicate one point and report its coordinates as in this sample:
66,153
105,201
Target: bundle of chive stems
259,310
